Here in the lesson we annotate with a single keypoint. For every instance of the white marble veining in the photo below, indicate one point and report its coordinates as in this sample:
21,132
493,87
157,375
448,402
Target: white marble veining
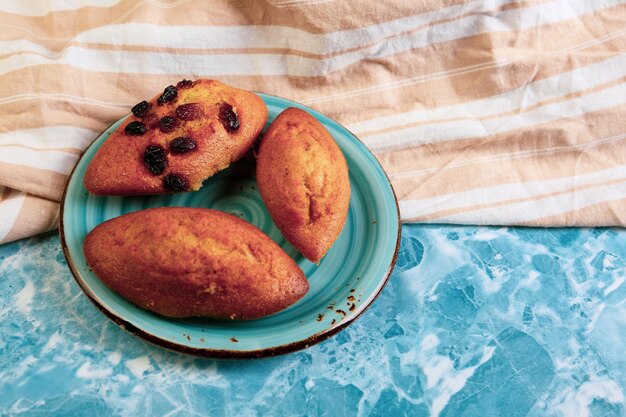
474,322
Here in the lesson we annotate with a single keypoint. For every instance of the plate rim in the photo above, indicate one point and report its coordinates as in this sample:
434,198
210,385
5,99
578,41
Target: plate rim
226,353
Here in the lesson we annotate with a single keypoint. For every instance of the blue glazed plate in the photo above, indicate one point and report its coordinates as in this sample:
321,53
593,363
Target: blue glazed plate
345,283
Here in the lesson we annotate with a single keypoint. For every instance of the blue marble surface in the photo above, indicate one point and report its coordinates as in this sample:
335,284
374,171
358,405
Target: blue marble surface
475,321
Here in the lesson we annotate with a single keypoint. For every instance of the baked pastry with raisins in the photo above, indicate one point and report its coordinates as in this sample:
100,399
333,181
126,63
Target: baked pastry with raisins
303,180
177,140
193,262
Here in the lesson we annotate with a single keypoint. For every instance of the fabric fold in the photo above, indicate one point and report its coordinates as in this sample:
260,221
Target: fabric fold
25,215
496,112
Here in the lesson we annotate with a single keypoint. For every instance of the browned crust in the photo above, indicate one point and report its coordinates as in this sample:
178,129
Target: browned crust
303,180
118,168
194,262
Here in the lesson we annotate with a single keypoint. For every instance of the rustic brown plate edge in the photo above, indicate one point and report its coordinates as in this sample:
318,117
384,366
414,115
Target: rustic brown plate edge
224,353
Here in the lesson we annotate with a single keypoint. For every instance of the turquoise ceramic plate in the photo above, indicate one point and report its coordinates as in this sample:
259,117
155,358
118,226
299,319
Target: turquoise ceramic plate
345,283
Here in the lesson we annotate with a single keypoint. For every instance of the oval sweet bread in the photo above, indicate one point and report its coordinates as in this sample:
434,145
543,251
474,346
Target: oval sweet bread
178,139
188,262
303,179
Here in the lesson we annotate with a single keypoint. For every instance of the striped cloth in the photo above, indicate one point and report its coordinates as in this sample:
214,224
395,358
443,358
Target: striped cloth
481,112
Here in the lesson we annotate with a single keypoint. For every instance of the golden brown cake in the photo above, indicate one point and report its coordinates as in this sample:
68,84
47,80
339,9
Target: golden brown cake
187,262
303,179
177,140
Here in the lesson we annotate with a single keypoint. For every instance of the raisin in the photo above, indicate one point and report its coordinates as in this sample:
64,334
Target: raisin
175,182
141,109
167,124
190,111
154,157
135,128
182,145
169,94
151,120
185,84
228,118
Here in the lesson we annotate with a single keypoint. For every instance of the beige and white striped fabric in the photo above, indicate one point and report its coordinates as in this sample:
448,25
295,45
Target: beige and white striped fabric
481,112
